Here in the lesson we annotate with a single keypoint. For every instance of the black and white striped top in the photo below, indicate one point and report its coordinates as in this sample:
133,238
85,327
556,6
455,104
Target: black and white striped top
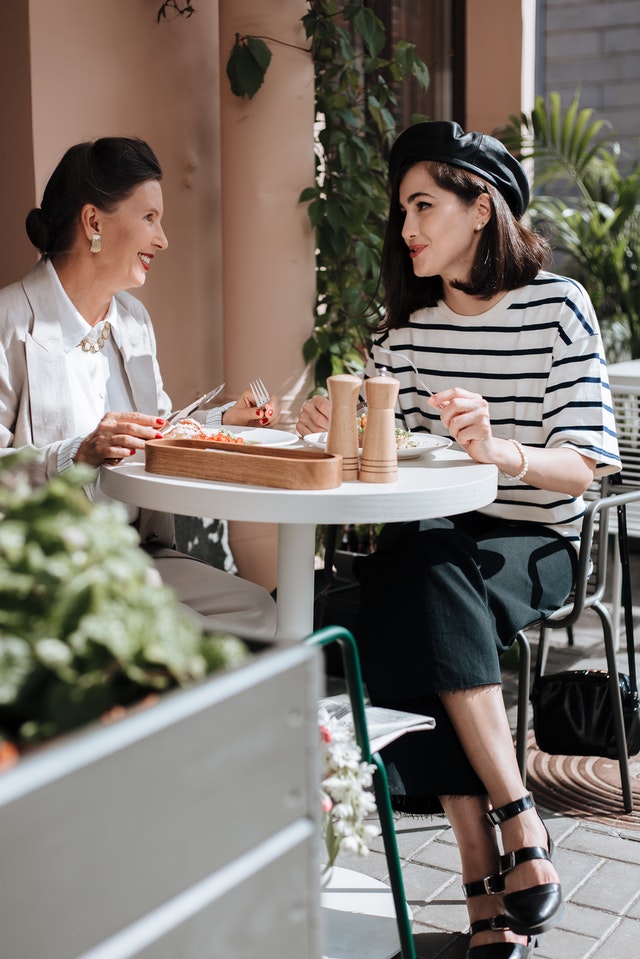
537,358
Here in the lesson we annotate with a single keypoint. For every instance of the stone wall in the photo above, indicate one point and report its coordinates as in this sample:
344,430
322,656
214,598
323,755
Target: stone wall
593,46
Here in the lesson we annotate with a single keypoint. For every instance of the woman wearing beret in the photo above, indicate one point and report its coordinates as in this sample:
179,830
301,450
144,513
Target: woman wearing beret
79,379
514,357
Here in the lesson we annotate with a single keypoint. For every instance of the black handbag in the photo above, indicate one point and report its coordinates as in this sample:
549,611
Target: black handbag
572,710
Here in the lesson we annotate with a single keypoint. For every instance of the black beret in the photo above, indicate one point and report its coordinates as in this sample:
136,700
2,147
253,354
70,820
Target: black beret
480,153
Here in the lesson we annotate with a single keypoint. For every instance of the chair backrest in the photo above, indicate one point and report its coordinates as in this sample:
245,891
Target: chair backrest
626,406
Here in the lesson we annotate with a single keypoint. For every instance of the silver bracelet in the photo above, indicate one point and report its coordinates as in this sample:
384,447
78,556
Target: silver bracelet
524,467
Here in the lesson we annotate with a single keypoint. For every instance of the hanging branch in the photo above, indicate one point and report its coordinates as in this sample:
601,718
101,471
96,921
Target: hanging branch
181,8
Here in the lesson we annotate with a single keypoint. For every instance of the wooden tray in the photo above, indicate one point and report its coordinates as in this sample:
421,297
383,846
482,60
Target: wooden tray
253,465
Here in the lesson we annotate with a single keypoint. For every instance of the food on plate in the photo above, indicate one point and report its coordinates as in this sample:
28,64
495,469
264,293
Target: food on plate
190,429
404,438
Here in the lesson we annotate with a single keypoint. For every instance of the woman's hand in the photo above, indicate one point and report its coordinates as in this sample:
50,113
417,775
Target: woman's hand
118,435
246,413
466,416
314,416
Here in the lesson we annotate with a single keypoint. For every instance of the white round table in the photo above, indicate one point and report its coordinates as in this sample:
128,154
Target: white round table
441,483
359,917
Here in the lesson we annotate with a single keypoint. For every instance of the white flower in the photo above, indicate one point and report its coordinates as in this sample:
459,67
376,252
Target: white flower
346,796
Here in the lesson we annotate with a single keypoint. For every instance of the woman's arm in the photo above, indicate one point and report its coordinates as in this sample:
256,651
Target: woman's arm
466,416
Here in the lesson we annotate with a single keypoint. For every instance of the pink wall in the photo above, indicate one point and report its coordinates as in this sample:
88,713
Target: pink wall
494,41
87,69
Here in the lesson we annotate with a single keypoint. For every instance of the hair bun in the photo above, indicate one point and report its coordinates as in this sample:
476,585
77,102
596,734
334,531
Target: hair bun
38,229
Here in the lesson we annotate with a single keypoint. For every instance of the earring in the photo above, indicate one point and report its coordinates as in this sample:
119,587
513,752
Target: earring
96,243
478,227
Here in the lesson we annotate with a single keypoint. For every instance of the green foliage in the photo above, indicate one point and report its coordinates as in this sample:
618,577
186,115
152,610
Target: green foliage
85,621
347,205
591,210
247,65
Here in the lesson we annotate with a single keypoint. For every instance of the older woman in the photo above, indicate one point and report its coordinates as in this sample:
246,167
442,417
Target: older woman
79,378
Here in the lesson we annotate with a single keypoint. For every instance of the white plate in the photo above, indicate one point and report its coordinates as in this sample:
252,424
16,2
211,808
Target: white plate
254,436
426,443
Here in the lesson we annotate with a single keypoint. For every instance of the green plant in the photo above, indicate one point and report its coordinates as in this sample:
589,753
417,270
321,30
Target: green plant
85,621
355,103
355,99
592,209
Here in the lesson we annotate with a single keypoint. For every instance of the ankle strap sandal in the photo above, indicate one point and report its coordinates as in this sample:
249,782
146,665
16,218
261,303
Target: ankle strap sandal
535,909
499,923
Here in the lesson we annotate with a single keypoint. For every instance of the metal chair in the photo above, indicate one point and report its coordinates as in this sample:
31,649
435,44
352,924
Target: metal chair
353,676
588,593
626,405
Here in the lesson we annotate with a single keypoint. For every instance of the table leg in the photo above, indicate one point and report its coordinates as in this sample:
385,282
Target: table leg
296,580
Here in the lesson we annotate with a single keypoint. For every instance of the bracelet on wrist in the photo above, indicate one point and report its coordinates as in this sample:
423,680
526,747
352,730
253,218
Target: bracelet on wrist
524,464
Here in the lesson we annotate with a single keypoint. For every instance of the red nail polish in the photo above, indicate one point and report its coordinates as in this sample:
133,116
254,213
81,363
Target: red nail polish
264,420
158,436
132,452
160,421
258,412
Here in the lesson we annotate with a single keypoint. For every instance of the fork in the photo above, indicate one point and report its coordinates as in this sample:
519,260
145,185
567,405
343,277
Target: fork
260,392
413,366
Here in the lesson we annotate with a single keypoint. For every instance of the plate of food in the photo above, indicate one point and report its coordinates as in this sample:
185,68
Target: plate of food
249,435
410,445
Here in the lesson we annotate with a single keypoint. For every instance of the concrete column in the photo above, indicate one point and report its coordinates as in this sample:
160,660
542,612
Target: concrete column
268,264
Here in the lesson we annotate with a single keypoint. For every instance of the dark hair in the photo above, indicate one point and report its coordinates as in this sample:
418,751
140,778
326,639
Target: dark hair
104,172
508,255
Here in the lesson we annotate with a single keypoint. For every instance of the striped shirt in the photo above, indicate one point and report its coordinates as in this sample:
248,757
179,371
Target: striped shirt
537,358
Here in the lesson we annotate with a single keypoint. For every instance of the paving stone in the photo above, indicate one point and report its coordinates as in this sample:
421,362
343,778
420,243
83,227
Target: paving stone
444,855
586,921
609,845
623,943
558,944
422,884
613,887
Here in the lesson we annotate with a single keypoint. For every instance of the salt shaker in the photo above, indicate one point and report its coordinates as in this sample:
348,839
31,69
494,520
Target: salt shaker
379,462
342,437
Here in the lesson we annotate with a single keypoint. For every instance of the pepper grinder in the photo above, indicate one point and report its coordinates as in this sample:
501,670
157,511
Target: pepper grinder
379,463
342,437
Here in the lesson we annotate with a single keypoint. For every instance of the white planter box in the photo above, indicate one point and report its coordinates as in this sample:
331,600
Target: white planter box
186,831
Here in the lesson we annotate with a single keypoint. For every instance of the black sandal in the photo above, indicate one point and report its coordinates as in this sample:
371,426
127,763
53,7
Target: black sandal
535,909
498,950
494,950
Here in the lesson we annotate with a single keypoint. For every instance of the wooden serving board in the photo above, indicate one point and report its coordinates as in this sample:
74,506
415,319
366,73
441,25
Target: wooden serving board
253,465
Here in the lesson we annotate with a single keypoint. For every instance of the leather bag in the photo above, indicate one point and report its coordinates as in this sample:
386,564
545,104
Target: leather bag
572,710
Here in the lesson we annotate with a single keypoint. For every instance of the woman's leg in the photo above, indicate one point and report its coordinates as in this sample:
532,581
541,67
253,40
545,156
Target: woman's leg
479,852
481,724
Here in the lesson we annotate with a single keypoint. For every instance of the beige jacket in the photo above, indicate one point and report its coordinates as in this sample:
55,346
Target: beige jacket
35,396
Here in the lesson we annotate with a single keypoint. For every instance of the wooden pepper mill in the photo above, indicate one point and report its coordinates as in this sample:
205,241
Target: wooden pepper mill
379,463
342,437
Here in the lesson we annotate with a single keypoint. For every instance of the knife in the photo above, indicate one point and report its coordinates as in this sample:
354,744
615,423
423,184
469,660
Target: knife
191,408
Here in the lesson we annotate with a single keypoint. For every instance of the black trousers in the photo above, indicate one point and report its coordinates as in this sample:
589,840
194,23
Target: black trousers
441,600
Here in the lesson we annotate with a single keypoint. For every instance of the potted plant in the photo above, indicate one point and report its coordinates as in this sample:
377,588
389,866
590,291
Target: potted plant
144,827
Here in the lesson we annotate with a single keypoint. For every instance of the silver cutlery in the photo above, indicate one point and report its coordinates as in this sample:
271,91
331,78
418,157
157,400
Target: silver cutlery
186,411
260,392
413,366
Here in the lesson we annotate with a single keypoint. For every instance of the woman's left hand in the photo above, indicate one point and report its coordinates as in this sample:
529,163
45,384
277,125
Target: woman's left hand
466,416
246,413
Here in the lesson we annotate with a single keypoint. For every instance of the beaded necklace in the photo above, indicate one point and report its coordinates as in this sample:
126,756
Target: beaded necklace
91,344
